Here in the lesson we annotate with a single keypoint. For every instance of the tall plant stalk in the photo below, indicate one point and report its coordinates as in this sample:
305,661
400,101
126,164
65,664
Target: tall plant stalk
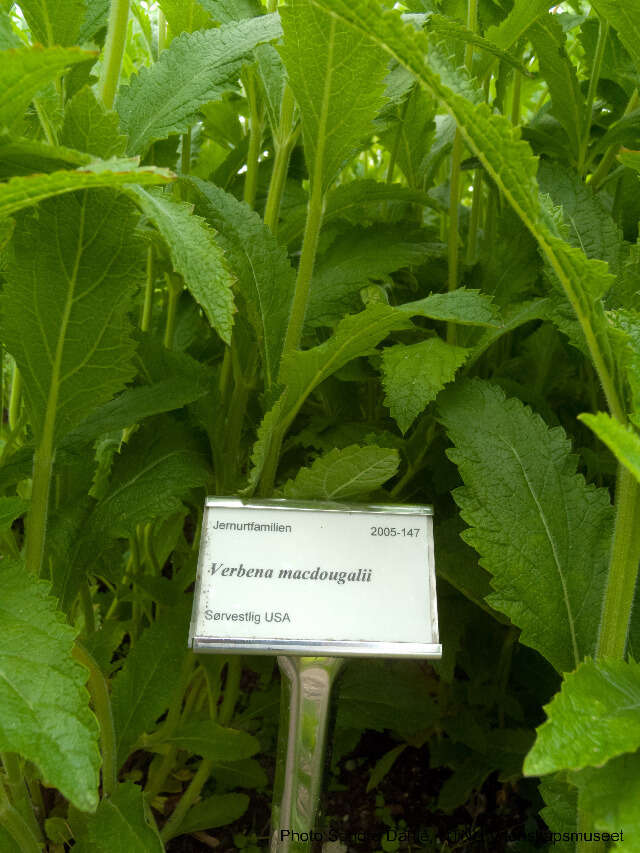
113,52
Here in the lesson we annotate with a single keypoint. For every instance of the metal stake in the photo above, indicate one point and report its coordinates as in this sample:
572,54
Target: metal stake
307,684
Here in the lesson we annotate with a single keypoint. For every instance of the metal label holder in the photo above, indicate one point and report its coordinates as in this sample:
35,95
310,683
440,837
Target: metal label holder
309,665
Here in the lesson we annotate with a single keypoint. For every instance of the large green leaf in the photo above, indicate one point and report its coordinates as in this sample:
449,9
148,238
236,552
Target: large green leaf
511,29
623,442
21,192
213,741
142,689
25,71
195,254
344,473
45,705
194,70
338,99
509,162
54,22
413,375
593,718
65,303
185,16
121,824
467,307
26,156
521,486
218,810
265,276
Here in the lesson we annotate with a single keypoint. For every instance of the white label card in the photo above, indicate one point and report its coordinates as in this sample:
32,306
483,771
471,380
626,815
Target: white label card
279,576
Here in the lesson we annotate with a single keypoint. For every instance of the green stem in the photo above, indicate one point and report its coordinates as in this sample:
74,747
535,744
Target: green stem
19,793
16,398
172,826
476,214
393,154
454,219
185,159
603,33
145,318
113,52
284,141
255,139
313,225
99,691
174,289
87,608
162,32
231,690
623,569
515,102
235,419
39,509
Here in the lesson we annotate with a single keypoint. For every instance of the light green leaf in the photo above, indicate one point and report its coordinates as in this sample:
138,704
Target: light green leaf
521,486
10,509
213,741
413,375
45,705
354,258
549,42
623,442
301,372
265,276
625,18
561,808
347,473
507,159
270,67
185,16
610,795
121,824
410,135
25,71
467,307
195,254
95,19
227,11
511,29
338,99
514,316
593,718
66,324
21,192
218,810
195,69
89,127
142,688
54,22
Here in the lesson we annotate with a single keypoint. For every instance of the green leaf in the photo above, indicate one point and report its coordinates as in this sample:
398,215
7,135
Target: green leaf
521,486
89,127
610,795
511,29
45,705
218,810
247,773
26,156
561,807
593,718
10,509
301,372
25,71
622,441
347,473
625,18
121,824
384,765
467,307
158,466
54,22
549,42
142,688
195,254
64,305
185,16
227,11
447,28
265,276
22,192
338,100
354,258
413,375
213,741
195,69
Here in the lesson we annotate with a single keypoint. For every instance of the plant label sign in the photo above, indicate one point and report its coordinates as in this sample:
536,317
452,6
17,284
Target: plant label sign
278,576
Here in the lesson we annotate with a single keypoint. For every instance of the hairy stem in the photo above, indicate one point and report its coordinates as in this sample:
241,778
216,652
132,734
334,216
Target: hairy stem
255,138
113,52
147,307
284,141
97,686
603,33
